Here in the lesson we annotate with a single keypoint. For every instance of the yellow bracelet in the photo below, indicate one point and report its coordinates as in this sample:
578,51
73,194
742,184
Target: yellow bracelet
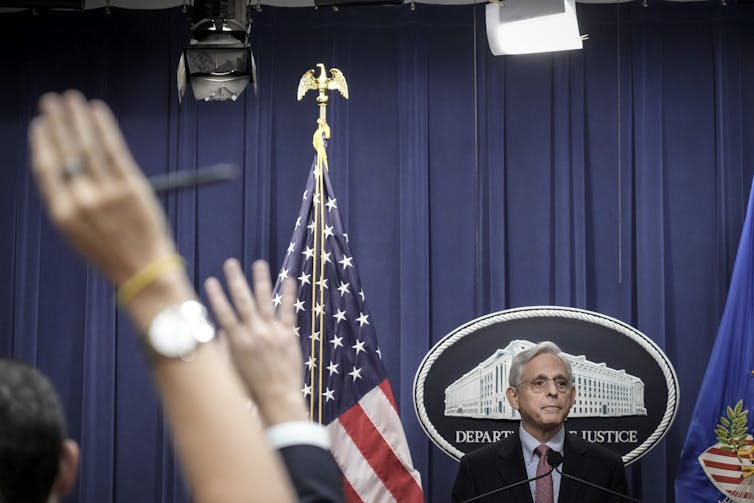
142,279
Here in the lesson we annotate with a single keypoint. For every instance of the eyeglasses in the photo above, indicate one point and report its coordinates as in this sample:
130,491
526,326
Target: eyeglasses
540,384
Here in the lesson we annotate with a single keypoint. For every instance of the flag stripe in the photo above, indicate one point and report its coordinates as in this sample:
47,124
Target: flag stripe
721,452
727,480
722,466
362,479
380,409
350,493
379,455
388,391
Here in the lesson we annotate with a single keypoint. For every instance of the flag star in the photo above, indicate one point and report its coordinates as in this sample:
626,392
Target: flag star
326,257
346,262
314,337
343,288
277,299
316,199
298,222
316,171
328,231
359,346
323,283
311,226
311,363
308,252
336,342
299,305
345,235
362,319
304,279
355,373
297,331
340,316
283,273
329,394
319,309
333,368
361,293
331,204
306,390
379,353
291,248
306,194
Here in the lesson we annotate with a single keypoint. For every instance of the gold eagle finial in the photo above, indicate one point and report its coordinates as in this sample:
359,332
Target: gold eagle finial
321,83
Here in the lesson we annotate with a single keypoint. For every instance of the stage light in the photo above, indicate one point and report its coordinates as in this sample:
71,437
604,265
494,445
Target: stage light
218,62
528,26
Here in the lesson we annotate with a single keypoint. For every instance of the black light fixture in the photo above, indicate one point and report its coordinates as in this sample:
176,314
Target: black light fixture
218,62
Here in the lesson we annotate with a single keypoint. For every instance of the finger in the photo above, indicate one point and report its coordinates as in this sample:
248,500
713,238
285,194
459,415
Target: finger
73,172
90,145
64,141
220,305
240,293
286,312
46,168
263,289
115,150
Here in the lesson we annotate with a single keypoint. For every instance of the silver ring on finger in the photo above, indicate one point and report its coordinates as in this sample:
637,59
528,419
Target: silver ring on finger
72,168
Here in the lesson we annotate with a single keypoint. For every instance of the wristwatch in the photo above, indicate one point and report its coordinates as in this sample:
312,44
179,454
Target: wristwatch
178,330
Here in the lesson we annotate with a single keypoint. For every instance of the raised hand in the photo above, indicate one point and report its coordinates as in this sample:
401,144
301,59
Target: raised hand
262,343
94,191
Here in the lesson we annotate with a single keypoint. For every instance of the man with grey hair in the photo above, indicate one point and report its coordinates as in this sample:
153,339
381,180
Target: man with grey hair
542,391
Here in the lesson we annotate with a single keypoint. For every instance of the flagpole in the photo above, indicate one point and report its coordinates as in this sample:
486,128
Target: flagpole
322,84
320,230
368,440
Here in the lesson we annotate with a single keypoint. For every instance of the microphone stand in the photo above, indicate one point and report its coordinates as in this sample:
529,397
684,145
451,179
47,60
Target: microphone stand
554,459
509,486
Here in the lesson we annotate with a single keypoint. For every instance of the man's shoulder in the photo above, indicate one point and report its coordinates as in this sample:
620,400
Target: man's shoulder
494,449
595,451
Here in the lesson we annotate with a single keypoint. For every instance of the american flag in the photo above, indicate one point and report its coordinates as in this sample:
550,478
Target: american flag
345,381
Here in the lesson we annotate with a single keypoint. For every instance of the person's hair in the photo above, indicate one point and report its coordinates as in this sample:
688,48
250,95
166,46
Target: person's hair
522,358
32,429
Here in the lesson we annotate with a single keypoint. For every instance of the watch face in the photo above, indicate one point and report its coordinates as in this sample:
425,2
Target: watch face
171,337
176,331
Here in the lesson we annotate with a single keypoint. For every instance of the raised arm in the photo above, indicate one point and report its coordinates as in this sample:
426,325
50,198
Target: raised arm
267,355
100,201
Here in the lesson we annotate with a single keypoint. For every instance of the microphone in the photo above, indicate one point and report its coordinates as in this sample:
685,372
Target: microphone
191,178
554,458
516,484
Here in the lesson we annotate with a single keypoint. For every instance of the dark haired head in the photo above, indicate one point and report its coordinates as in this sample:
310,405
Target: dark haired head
31,433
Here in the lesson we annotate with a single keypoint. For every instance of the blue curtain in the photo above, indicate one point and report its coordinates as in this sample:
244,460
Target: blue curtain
612,179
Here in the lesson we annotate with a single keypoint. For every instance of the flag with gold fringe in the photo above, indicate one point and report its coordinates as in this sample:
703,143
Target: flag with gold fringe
345,380
717,461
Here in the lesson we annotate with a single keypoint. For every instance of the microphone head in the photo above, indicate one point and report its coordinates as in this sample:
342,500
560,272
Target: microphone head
554,458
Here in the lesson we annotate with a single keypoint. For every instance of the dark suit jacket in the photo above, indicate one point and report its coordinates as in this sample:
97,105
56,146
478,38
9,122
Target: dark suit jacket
502,463
314,473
